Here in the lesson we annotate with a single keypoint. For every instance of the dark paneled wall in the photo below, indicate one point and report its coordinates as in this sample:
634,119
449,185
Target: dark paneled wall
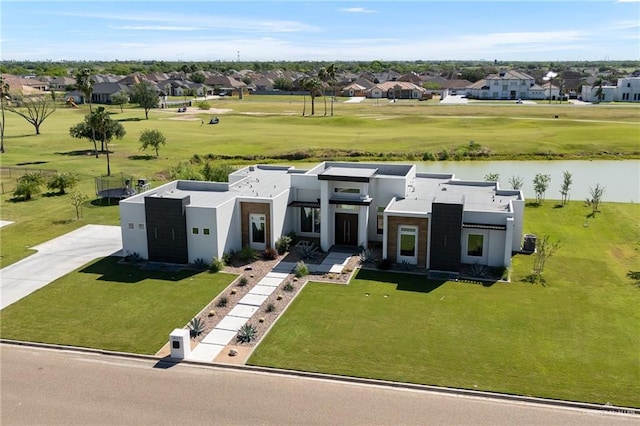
446,230
167,229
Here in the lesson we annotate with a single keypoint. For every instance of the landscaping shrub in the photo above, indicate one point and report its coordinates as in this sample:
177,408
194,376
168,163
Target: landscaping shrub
196,327
247,333
384,265
283,243
243,281
227,258
203,105
222,302
368,256
288,286
309,252
217,265
301,269
201,263
270,254
247,254
270,307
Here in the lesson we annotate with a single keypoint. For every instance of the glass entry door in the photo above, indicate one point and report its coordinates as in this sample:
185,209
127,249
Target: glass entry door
257,231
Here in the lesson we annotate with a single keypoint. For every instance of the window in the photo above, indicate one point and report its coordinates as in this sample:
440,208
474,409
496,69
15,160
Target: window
346,190
310,219
380,228
407,244
195,231
141,226
131,225
474,245
205,231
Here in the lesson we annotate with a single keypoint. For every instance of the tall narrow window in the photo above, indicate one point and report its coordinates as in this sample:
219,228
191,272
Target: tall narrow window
310,219
380,221
408,244
475,243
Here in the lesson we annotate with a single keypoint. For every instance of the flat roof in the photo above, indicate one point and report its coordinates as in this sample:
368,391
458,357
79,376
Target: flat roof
350,174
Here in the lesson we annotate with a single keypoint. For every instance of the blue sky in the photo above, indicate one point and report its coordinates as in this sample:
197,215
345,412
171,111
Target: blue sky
320,30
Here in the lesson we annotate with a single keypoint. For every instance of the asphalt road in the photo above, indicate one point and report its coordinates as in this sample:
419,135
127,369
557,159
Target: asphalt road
42,386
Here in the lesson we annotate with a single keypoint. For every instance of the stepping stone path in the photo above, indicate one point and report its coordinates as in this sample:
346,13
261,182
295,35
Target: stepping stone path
223,333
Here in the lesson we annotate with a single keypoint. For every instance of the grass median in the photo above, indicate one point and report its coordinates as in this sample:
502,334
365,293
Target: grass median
575,338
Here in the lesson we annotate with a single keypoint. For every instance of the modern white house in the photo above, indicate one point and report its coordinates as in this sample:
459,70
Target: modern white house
434,221
626,90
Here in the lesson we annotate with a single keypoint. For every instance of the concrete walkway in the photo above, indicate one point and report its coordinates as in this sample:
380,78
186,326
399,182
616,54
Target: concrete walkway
56,258
222,334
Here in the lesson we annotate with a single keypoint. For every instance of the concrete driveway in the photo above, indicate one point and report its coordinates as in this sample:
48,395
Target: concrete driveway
56,258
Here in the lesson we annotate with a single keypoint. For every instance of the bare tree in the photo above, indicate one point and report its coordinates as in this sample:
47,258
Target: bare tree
76,199
566,186
4,94
516,182
35,109
544,250
596,197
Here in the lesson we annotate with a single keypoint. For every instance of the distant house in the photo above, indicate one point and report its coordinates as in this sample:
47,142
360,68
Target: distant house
626,90
102,93
504,85
433,221
396,90
226,84
354,90
61,83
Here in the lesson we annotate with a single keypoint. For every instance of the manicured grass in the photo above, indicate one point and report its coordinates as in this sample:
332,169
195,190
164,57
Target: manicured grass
110,306
575,338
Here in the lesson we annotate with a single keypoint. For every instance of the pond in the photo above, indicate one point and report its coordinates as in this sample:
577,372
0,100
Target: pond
621,178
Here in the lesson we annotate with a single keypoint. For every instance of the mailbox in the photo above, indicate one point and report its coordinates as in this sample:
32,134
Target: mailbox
180,343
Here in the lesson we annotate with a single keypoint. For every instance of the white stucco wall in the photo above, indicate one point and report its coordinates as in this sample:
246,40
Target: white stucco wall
279,216
201,246
135,240
229,236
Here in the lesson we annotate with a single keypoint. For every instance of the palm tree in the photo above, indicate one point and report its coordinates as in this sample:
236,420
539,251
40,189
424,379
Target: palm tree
4,91
599,92
314,86
107,129
323,76
84,83
331,72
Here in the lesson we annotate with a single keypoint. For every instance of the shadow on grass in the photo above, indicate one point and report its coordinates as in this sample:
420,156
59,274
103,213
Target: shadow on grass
84,152
105,202
30,163
141,157
403,282
111,270
129,119
533,204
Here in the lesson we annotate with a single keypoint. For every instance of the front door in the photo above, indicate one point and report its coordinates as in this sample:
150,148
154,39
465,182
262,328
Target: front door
257,231
346,229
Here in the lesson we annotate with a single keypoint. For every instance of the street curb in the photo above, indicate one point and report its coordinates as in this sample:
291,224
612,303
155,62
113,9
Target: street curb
345,379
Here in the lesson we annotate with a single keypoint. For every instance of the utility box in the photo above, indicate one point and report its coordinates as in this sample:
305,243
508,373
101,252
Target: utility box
180,343
529,245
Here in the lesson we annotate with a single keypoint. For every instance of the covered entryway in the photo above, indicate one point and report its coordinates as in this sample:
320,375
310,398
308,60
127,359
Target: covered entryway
346,227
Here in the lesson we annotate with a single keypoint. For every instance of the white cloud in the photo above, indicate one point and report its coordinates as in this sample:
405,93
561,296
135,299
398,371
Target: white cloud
357,10
155,28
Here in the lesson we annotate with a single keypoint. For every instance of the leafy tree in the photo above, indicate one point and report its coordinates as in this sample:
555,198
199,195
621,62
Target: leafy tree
152,138
197,77
218,172
4,94
76,199
599,92
596,197
29,185
145,95
567,181
281,83
84,130
492,177
432,85
62,181
35,109
120,98
516,182
185,171
540,186
84,83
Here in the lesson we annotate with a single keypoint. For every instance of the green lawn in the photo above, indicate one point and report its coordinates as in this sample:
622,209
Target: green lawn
110,306
577,338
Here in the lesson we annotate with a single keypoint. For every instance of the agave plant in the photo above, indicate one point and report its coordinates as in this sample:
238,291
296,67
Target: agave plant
247,333
478,270
368,256
196,327
308,252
